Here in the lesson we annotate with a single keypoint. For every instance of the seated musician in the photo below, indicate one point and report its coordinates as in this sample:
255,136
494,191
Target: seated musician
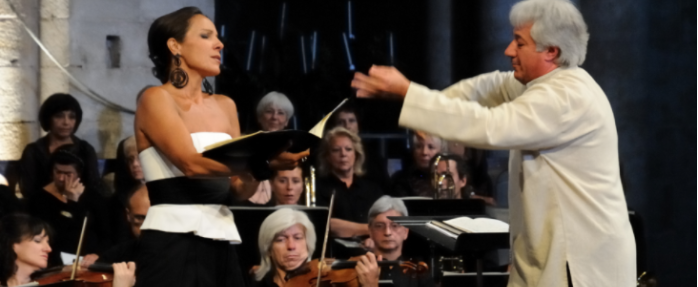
65,202
136,210
388,237
415,179
286,187
341,168
24,249
287,242
461,173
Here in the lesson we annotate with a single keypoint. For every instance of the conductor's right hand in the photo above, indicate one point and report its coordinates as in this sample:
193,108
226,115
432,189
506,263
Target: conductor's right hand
287,161
381,82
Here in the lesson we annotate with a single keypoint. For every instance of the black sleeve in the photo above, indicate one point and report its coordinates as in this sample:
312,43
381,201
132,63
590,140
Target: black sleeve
90,178
123,252
29,180
97,209
400,187
8,201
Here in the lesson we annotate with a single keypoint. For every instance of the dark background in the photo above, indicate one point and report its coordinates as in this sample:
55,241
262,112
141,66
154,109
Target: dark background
641,53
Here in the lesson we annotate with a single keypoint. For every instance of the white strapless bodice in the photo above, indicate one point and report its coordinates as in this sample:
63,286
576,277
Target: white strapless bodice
214,221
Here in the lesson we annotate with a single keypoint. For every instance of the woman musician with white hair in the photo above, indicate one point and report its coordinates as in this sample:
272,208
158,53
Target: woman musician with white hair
286,243
569,215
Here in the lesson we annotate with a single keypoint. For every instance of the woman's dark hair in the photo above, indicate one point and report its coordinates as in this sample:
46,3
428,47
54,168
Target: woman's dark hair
66,155
57,103
13,229
173,25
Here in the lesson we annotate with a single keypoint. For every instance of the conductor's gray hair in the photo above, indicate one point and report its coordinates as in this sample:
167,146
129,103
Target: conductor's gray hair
275,223
384,204
556,23
278,100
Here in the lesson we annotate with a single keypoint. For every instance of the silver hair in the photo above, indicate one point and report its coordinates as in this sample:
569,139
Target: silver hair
443,145
278,100
275,223
384,204
324,167
556,23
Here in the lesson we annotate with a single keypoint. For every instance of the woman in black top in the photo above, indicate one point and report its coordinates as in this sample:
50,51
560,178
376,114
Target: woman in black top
60,116
341,166
64,203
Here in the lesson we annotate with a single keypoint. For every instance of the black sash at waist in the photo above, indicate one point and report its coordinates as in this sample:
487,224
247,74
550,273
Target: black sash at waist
184,190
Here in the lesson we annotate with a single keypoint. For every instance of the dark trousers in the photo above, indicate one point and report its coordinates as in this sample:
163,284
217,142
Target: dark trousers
186,260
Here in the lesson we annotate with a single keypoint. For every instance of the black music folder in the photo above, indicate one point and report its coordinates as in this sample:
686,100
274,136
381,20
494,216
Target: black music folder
263,144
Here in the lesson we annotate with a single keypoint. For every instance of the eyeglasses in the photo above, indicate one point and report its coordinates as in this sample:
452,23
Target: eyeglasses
381,226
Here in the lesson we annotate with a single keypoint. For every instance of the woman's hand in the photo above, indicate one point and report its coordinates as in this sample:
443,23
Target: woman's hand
124,274
74,189
287,161
88,260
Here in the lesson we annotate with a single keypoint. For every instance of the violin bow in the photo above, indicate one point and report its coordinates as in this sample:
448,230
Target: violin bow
324,244
77,254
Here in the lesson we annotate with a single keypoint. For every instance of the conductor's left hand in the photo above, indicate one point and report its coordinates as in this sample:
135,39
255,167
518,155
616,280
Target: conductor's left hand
287,161
381,82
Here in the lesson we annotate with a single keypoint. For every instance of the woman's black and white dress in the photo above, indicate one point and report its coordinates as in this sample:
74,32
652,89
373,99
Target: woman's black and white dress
188,233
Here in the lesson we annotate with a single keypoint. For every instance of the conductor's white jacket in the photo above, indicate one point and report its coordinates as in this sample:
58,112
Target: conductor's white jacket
566,200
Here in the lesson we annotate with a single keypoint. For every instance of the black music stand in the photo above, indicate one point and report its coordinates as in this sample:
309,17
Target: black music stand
444,207
249,219
476,244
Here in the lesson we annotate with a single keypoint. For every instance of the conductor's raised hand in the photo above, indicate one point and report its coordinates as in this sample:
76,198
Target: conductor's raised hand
381,82
287,161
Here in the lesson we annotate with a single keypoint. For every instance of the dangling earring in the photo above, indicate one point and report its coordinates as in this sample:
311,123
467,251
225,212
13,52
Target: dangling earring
207,87
178,77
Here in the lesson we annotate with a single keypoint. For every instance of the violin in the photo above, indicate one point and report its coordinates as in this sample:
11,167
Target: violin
97,275
342,274
83,277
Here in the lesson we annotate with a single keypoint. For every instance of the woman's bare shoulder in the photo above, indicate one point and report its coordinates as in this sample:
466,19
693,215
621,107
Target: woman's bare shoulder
224,101
155,95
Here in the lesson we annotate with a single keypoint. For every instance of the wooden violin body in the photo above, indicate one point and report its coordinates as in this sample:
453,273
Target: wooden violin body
83,278
341,273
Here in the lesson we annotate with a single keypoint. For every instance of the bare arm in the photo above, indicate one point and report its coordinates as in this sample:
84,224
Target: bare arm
158,124
344,228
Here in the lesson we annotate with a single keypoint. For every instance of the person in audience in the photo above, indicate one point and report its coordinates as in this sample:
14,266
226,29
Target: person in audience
25,249
461,173
64,203
415,180
136,210
128,175
274,111
375,164
286,187
287,242
341,161
60,116
8,201
476,160
388,237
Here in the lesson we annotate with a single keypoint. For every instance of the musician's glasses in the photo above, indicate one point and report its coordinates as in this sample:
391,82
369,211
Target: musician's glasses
381,226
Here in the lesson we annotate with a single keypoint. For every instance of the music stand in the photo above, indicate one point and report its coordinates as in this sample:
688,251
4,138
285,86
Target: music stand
444,207
249,219
465,243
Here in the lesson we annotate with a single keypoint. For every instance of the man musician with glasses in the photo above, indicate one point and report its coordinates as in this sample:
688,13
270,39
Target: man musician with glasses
388,237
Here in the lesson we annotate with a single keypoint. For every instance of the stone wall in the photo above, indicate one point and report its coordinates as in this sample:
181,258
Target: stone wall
91,22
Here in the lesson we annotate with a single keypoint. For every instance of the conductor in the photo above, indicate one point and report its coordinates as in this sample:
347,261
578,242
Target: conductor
569,220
